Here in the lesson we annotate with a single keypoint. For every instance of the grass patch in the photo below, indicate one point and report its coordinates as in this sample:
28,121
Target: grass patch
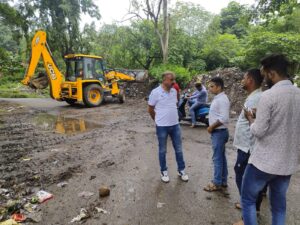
17,90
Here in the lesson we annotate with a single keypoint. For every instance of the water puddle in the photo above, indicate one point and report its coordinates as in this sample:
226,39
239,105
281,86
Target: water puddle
62,124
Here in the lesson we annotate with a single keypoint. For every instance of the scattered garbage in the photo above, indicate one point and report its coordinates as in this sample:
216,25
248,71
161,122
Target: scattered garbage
160,204
62,184
100,210
83,215
85,194
34,200
104,191
43,196
26,159
9,222
18,217
3,191
35,217
13,206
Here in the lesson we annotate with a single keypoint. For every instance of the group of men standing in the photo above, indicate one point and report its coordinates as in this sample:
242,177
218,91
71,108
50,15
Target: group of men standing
266,135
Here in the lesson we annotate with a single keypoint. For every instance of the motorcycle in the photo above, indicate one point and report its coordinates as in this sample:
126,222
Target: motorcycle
201,114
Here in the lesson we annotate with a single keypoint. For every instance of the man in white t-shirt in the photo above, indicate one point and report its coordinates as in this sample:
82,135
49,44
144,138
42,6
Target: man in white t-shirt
162,107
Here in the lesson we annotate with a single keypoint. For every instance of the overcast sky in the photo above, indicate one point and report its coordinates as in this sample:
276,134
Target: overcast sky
115,10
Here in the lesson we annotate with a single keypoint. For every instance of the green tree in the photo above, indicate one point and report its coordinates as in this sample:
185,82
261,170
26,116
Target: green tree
264,42
234,19
271,6
192,18
220,50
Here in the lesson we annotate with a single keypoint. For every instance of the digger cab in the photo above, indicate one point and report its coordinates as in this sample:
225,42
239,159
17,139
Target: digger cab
86,67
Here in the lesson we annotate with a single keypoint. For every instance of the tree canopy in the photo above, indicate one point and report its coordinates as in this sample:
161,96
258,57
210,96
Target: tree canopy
183,36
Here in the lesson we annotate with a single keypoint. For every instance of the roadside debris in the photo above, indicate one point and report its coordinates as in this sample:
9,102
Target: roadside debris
9,222
43,196
62,184
160,204
83,215
104,191
100,210
18,217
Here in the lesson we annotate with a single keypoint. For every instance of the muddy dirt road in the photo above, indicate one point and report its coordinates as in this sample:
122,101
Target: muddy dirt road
44,143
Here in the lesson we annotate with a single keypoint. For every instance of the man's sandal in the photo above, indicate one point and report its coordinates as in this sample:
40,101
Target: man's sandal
212,187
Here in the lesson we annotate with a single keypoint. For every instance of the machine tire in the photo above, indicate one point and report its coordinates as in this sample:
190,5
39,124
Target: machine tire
93,95
121,96
70,101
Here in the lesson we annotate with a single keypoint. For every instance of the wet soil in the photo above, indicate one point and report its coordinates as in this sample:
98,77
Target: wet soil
44,143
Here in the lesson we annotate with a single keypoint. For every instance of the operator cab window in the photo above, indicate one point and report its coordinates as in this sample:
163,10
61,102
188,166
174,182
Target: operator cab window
75,69
99,71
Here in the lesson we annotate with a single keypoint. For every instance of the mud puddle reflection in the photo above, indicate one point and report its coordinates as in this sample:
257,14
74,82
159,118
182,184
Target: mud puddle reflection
62,124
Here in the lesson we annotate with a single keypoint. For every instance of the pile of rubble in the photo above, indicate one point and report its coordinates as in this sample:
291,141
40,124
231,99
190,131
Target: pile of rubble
232,81
139,89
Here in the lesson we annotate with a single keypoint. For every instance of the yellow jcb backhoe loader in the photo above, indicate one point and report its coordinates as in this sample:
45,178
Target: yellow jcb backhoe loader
86,79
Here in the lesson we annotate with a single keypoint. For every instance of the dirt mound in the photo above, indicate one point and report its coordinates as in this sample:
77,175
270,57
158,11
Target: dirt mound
139,89
232,78
232,81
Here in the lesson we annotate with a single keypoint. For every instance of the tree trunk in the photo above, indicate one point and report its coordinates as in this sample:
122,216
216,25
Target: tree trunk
165,37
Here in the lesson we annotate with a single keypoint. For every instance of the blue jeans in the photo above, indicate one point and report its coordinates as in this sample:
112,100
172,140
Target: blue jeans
253,182
162,136
239,168
219,138
196,105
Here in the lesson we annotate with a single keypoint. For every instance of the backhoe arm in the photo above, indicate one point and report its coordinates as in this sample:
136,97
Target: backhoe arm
40,48
118,75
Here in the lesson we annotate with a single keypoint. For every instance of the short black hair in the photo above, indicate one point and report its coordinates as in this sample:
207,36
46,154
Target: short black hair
218,81
198,85
256,76
276,62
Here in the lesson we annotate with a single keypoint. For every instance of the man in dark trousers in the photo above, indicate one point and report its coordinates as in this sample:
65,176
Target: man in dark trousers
243,139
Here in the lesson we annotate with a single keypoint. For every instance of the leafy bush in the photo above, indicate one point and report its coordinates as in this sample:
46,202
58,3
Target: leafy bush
183,76
11,68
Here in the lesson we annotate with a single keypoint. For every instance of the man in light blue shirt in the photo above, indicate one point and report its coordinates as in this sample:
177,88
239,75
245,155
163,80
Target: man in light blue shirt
198,99
218,123
162,107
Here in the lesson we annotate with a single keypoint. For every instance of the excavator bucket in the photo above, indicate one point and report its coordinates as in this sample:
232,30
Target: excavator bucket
39,82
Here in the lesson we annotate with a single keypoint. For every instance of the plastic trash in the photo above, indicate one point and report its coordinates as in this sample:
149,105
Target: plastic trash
100,210
43,196
3,191
34,200
18,217
83,215
160,204
29,207
9,222
62,184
